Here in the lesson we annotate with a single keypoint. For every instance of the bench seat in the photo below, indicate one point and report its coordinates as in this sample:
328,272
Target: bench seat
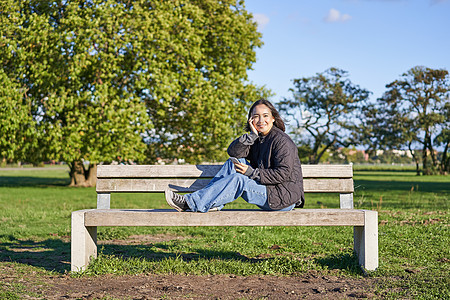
225,217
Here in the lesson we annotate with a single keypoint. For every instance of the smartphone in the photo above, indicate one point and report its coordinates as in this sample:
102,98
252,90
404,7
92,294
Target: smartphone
235,160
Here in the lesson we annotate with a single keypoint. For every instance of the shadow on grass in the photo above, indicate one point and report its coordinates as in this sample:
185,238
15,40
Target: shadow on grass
409,171
54,254
388,185
340,261
29,181
147,252
50,254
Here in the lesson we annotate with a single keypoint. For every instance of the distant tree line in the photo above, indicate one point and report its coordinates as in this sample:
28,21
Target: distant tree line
97,81
329,112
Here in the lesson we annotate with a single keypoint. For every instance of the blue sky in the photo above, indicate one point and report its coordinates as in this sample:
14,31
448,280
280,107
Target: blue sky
376,41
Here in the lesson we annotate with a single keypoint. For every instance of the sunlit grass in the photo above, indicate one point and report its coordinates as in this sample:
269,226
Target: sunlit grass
413,234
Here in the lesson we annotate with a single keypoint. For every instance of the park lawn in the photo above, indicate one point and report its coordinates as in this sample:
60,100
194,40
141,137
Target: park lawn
413,234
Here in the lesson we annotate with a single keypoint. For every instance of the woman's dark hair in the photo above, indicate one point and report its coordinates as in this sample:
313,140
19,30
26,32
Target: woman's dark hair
278,121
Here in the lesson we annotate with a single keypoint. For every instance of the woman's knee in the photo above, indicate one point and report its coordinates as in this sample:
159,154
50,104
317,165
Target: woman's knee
238,177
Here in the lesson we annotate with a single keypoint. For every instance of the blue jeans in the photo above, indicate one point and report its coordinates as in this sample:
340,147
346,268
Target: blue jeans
226,186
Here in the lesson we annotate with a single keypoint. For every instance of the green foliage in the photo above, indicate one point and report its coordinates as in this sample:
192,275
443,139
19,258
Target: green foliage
304,151
97,80
195,86
324,108
18,132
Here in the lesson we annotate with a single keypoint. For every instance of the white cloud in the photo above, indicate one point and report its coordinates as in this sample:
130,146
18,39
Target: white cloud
335,16
262,20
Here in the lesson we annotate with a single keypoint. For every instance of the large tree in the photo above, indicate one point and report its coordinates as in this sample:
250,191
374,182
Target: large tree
416,109
324,108
72,64
111,79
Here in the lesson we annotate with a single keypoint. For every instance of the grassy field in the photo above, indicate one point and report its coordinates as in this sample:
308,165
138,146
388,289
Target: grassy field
35,208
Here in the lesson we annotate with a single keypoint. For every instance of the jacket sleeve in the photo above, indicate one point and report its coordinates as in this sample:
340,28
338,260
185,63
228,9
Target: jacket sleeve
282,164
240,147
253,173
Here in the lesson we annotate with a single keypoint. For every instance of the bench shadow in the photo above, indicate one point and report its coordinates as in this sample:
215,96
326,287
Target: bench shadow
341,262
54,254
49,254
147,252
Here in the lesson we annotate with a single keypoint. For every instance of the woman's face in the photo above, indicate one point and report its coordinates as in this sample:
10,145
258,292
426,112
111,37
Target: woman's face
262,119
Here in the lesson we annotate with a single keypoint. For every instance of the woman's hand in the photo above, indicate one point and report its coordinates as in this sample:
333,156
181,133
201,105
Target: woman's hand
240,167
252,127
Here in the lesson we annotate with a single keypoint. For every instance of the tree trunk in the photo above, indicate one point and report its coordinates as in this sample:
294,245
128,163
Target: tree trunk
425,169
434,161
313,155
445,161
91,178
416,160
80,177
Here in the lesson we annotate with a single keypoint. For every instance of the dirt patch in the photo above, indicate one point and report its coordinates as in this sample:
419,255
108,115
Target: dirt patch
311,285
307,286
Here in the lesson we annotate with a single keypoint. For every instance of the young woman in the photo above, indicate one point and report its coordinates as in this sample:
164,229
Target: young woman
267,171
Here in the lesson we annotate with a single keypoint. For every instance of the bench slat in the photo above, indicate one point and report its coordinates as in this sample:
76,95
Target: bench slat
327,171
207,171
157,171
166,217
132,185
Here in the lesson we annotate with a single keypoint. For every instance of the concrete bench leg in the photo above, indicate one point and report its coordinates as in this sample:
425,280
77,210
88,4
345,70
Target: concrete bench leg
346,201
103,201
83,242
366,241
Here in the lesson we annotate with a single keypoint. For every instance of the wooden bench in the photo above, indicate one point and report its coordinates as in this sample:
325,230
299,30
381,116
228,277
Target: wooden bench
189,178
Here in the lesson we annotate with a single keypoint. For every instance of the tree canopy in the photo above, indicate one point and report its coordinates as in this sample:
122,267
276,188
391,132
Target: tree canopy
415,111
324,107
103,80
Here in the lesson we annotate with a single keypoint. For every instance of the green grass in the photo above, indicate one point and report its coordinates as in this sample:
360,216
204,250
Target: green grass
413,235
384,167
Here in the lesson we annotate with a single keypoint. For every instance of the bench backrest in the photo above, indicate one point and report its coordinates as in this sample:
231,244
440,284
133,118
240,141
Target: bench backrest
190,178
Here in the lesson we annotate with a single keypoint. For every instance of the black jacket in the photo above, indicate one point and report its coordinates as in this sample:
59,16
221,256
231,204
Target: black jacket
275,156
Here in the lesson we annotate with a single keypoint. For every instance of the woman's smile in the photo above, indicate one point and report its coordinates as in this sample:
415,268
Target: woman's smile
261,125
262,119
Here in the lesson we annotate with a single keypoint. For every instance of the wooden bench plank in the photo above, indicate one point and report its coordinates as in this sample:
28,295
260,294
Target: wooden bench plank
141,185
157,171
327,171
207,171
168,217
328,185
133,185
